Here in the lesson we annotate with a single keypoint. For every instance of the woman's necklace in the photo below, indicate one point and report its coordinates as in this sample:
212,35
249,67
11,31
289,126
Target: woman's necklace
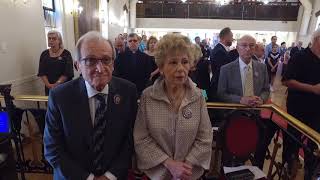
55,53
176,101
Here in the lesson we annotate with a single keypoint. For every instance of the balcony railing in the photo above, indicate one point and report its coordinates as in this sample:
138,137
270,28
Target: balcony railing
239,11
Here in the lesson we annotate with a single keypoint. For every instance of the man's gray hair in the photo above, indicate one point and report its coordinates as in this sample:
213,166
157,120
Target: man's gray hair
92,36
315,35
58,34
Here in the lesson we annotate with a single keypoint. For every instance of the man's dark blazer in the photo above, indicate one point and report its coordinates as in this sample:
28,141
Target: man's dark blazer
254,57
68,130
233,54
219,57
205,51
137,72
294,50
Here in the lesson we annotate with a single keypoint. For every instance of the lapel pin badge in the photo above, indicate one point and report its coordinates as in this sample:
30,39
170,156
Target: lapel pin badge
187,113
117,99
256,73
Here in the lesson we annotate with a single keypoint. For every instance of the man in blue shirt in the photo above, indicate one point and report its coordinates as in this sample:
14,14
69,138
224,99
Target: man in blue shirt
143,43
269,46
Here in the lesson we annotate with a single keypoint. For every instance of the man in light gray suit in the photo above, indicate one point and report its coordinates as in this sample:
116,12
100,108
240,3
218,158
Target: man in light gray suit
246,82
233,77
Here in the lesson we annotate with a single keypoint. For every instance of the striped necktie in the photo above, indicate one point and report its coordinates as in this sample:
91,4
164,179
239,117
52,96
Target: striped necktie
248,85
98,138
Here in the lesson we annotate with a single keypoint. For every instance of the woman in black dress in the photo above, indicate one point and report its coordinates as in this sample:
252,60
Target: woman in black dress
56,65
151,45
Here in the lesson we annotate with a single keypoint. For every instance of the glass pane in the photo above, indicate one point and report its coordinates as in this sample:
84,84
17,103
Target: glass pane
47,4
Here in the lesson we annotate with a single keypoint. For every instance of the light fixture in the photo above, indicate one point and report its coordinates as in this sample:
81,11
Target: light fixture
183,1
265,1
76,9
222,2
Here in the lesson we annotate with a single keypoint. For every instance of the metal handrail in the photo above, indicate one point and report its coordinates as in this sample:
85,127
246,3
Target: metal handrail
36,98
303,128
306,130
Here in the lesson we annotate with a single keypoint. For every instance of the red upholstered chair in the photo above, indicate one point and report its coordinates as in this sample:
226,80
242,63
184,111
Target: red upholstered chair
239,137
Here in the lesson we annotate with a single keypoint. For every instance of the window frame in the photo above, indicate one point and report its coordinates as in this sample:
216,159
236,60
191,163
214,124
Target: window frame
53,9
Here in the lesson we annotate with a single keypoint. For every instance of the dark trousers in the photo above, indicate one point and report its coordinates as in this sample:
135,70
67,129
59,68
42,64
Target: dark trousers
269,129
291,147
8,167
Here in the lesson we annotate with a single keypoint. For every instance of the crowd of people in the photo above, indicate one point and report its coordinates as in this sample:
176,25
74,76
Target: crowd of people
94,124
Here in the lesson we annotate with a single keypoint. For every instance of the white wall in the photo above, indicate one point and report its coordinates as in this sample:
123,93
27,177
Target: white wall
22,39
313,21
116,18
290,26
312,24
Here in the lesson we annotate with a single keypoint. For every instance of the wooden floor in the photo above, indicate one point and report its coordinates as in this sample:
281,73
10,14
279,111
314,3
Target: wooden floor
278,96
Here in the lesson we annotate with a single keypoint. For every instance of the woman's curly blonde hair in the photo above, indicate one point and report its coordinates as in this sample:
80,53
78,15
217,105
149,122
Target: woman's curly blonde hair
171,44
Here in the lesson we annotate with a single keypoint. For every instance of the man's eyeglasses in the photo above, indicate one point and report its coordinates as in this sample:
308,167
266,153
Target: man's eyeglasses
91,62
132,40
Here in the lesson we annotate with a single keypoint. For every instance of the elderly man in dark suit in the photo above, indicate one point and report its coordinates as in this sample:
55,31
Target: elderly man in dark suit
134,65
88,132
219,57
296,49
245,81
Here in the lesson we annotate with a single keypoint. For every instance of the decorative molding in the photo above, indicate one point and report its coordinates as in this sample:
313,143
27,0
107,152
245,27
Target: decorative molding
317,13
20,81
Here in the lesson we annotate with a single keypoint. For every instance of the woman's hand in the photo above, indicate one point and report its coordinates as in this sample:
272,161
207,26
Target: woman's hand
179,170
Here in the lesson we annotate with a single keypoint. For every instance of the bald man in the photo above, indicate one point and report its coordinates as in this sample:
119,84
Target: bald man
246,81
296,49
258,53
232,85
119,45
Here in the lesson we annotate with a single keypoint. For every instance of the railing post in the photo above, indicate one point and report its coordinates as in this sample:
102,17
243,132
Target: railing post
188,14
162,10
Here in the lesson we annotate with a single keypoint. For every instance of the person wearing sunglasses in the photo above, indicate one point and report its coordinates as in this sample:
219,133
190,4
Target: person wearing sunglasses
134,65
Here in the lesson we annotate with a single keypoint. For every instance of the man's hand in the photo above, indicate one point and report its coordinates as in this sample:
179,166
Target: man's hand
258,101
252,101
316,89
100,178
179,170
